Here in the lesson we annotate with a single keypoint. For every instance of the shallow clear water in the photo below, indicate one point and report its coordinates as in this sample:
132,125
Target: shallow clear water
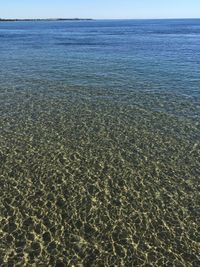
99,143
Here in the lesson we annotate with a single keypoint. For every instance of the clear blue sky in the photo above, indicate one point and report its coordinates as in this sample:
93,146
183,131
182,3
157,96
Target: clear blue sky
100,8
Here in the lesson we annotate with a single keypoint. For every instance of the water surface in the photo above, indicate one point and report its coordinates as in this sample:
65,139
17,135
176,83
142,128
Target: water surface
99,143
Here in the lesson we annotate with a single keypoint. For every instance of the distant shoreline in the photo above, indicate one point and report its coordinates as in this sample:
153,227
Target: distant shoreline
89,19
58,19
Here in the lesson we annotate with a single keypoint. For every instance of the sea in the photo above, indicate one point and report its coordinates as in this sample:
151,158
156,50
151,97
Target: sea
100,143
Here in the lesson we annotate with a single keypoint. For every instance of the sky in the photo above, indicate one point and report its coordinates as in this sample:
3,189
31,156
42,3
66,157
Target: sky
100,9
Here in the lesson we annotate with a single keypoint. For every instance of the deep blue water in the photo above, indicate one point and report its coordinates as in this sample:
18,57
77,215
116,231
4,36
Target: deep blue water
146,54
99,143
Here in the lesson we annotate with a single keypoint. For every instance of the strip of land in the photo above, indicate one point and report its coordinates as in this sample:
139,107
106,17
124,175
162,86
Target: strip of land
57,19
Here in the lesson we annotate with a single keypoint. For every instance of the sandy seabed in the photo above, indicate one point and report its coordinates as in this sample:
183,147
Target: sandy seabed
97,178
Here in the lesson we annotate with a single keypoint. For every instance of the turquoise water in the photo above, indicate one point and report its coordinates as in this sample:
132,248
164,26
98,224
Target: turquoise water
99,143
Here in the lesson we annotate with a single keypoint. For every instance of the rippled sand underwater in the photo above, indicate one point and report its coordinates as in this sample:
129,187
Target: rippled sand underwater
98,177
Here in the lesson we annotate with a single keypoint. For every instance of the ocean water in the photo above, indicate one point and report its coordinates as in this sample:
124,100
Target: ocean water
99,143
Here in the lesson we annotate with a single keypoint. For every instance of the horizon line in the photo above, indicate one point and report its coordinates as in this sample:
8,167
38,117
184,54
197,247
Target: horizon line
39,19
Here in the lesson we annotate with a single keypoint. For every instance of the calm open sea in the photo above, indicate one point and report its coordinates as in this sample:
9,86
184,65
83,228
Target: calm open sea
99,143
